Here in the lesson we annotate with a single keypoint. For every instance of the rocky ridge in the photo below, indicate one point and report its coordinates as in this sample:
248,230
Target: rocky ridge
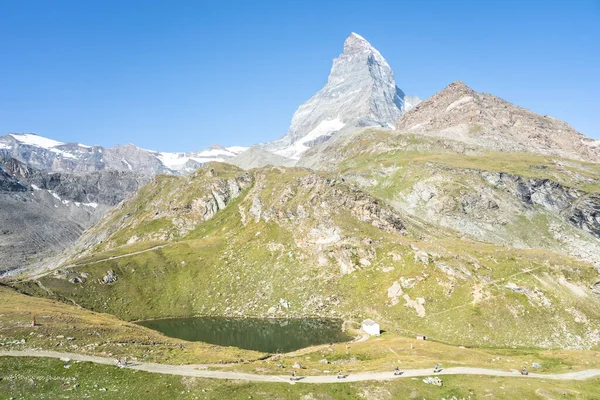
460,113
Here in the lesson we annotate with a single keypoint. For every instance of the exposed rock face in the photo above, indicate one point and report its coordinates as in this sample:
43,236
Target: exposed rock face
502,208
360,91
42,214
8,182
458,112
325,197
104,187
577,207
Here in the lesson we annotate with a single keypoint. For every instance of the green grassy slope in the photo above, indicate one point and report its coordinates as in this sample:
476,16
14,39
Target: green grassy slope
298,243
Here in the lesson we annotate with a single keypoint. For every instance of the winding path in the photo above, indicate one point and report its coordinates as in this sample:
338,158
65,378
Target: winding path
195,370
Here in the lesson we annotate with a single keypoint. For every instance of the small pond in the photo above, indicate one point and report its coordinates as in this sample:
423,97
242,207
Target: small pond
266,335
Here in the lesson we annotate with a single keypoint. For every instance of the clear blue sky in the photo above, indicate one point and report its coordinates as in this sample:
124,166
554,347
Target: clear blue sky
180,75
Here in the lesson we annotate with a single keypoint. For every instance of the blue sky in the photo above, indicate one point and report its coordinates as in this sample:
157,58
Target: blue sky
180,75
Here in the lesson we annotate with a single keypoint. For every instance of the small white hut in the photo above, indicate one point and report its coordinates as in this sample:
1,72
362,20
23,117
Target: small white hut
371,327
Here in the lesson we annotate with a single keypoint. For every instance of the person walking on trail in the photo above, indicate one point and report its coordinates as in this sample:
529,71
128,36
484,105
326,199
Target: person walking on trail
396,371
293,376
437,368
524,371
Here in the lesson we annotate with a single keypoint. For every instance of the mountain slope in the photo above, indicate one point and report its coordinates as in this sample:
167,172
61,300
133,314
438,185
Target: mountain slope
291,242
458,112
42,214
360,91
523,200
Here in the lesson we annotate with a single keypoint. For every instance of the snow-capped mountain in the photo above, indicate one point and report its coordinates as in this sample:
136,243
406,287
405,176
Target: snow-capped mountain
53,156
187,162
360,91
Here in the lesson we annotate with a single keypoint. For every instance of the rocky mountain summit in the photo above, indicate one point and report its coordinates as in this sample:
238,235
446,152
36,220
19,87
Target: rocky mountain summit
360,91
52,156
460,113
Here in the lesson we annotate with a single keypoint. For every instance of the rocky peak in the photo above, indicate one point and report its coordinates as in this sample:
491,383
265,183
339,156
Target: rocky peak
456,88
460,113
360,91
357,44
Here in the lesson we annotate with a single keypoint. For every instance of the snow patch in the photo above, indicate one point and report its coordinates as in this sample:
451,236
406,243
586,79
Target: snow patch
325,128
237,149
128,165
57,197
4,146
64,153
93,205
34,187
35,140
177,161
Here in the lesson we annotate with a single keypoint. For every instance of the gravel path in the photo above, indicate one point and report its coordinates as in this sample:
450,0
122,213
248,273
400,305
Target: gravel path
196,370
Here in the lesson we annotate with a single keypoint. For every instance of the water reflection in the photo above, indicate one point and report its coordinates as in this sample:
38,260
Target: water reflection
266,335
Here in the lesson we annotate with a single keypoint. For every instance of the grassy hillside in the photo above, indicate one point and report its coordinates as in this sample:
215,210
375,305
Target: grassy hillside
515,199
68,328
297,243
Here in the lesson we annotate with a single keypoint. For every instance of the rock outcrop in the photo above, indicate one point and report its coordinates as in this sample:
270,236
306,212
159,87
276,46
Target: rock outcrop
579,208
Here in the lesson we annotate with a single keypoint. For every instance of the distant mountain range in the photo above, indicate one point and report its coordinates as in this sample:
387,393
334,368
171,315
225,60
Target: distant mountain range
53,156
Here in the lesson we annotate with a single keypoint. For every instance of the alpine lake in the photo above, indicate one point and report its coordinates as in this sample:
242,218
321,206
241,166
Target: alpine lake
267,335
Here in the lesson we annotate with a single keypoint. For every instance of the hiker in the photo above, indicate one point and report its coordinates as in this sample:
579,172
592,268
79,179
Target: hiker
397,371
340,375
293,376
524,371
119,362
437,368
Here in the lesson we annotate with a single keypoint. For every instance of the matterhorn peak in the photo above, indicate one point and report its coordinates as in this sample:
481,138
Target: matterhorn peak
355,44
361,91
